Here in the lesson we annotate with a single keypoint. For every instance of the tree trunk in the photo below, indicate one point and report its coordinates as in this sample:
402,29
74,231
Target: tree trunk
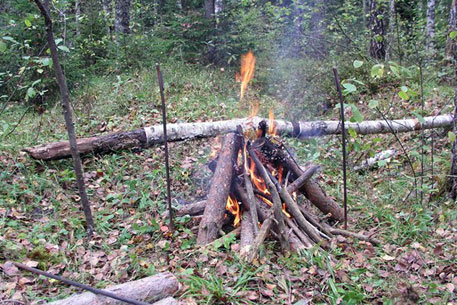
431,25
452,27
149,289
149,136
209,9
391,34
107,10
377,28
77,16
453,173
122,20
65,94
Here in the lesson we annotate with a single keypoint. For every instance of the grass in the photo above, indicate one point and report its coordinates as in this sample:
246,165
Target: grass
40,217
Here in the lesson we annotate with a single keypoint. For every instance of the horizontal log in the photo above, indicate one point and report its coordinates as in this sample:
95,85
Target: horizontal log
374,160
149,289
148,136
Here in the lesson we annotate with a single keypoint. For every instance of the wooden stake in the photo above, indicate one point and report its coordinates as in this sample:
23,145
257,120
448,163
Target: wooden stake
165,140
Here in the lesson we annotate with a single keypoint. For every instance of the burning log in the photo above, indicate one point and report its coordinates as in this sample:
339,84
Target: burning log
149,136
310,188
219,191
277,206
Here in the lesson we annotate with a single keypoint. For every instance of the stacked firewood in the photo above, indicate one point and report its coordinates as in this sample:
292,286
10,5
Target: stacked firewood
256,183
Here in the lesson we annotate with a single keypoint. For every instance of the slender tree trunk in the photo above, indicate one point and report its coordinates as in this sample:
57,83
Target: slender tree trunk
391,35
122,20
377,28
209,9
431,4
453,173
68,116
364,12
218,6
77,16
452,27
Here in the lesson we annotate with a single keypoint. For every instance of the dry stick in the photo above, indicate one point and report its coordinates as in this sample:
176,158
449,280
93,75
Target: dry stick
277,206
298,183
165,140
305,239
64,92
247,233
292,206
335,231
83,286
343,138
264,229
248,185
314,222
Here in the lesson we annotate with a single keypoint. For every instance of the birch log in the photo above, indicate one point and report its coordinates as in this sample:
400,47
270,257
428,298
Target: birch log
149,136
149,289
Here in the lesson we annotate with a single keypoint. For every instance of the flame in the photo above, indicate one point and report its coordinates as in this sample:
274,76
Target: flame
284,211
233,207
247,71
254,109
271,123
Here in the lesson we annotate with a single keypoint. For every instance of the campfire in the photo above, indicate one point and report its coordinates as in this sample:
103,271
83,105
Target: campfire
256,189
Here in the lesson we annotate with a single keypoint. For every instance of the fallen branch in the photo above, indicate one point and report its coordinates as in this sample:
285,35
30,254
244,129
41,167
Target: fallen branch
148,136
374,160
149,289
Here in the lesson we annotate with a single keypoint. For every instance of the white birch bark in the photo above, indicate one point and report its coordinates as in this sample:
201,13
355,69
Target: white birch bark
431,4
374,160
149,289
152,135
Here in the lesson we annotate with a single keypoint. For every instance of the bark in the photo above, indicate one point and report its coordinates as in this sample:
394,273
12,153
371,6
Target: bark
431,4
377,28
167,301
264,229
453,173
374,160
452,27
107,9
346,233
149,289
391,34
277,204
192,209
300,181
149,136
247,233
209,9
77,16
220,187
122,20
65,94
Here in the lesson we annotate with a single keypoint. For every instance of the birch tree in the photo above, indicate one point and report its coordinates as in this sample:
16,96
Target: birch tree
430,31
452,27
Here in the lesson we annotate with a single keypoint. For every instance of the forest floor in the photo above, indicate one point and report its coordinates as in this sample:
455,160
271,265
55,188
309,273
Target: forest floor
41,221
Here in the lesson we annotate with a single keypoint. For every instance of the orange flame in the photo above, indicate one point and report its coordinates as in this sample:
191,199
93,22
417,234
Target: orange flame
271,123
233,207
247,71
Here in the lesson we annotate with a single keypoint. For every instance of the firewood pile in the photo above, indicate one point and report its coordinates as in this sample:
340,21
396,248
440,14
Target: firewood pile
256,187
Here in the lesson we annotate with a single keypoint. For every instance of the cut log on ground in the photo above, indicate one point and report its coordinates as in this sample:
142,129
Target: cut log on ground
219,191
149,289
148,136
